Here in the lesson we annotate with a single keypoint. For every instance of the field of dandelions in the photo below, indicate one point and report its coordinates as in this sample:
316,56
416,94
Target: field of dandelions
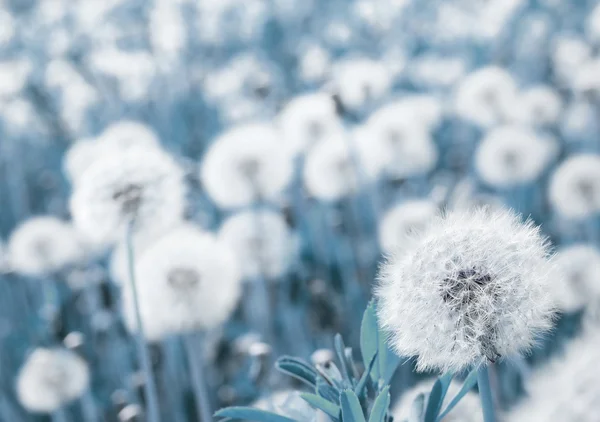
299,210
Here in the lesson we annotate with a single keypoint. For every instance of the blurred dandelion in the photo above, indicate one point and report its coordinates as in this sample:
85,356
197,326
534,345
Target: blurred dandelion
399,224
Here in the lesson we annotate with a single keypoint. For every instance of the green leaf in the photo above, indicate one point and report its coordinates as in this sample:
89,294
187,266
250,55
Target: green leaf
381,405
298,369
251,414
369,339
436,397
328,392
351,409
469,383
365,377
373,340
320,403
339,350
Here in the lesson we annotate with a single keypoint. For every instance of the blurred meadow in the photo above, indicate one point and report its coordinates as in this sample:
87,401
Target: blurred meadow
299,208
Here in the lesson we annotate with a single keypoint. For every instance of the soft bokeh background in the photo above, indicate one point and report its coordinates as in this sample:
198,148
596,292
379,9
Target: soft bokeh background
310,138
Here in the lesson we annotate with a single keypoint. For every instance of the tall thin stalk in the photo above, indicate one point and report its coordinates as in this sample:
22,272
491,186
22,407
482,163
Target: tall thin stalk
485,394
195,357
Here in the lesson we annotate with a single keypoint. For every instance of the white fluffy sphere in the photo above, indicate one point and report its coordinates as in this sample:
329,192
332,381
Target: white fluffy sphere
574,190
245,164
473,287
186,280
51,378
402,221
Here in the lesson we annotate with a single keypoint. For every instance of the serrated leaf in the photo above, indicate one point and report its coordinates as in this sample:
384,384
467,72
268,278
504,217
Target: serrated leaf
380,406
298,369
469,383
351,409
436,397
320,403
328,392
251,414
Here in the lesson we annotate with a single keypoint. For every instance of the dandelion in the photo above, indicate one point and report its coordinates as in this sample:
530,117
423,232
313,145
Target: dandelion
472,288
592,26
574,190
577,284
245,165
14,75
512,155
43,245
399,224
332,172
50,379
262,242
586,80
314,64
188,281
308,119
432,70
485,96
468,408
361,83
568,55
125,134
141,186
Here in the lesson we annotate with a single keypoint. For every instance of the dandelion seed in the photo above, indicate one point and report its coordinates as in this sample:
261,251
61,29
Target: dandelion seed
399,224
140,185
43,245
574,190
578,281
485,96
308,119
468,408
188,281
51,378
512,155
246,164
472,288
262,242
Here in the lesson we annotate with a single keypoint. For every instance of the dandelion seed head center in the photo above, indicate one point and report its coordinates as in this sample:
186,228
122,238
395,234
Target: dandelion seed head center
183,279
250,167
54,376
315,129
130,197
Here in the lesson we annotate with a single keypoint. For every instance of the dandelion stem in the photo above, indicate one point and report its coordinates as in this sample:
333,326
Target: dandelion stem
485,394
143,354
59,416
195,357
88,407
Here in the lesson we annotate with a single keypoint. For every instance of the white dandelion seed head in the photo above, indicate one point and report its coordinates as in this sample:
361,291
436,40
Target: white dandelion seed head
574,190
565,388
308,119
361,82
577,283
472,288
513,155
43,245
144,186
422,109
287,403
331,172
7,28
167,29
398,142
51,378
78,158
485,96
468,408
568,55
398,225
186,280
225,21
262,242
245,164
538,106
